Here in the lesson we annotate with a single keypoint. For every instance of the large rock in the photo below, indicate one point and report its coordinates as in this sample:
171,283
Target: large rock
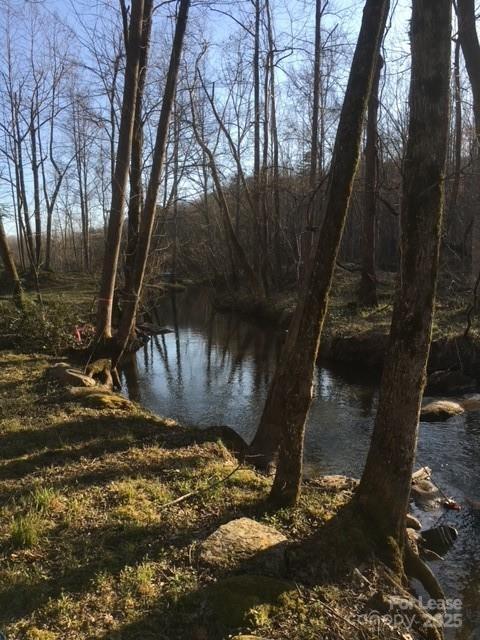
243,542
440,410
70,377
471,403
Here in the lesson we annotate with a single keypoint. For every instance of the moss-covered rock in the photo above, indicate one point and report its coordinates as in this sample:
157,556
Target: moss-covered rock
245,541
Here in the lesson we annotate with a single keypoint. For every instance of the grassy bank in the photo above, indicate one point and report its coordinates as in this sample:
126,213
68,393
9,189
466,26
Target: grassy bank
92,544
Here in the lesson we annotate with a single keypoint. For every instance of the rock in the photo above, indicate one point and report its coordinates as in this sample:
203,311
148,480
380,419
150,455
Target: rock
413,523
100,398
449,383
245,541
439,539
471,403
425,491
440,410
70,377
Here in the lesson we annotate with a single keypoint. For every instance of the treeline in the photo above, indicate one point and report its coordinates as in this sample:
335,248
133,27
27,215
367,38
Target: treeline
250,141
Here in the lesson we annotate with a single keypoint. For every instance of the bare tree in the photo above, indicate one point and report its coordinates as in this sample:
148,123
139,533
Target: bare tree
290,392
132,295
122,163
384,490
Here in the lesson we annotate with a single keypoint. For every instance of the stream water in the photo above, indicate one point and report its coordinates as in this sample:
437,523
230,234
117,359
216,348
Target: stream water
214,369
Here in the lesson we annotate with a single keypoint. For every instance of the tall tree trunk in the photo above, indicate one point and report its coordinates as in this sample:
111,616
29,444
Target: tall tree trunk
135,202
385,486
467,33
290,393
257,259
147,221
10,268
316,94
119,184
368,284
36,190
455,221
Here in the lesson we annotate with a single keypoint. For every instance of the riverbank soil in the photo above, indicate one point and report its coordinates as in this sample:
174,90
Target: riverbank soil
95,543
358,335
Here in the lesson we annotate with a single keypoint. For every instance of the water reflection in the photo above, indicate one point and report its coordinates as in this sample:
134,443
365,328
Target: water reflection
214,369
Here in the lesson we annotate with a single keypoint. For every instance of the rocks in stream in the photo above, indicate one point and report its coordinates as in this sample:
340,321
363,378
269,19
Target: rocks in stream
423,492
245,542
439,410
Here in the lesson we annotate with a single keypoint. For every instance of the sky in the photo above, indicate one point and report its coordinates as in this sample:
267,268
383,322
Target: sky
293,19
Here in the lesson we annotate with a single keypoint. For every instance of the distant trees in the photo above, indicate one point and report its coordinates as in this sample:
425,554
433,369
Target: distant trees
368,285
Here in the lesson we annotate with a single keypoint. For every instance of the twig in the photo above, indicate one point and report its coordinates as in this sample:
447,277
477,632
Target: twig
198,491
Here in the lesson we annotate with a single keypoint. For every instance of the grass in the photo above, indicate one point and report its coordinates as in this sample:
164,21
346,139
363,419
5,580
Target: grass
90,546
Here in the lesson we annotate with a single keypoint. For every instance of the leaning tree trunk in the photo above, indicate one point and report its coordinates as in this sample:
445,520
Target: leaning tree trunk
290,393
10,268
120,176
132,295
385,486
368,284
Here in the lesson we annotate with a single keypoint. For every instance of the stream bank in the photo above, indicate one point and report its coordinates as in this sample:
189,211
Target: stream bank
106,515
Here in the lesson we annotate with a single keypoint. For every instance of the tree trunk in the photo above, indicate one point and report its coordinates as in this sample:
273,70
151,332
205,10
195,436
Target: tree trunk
10,268
467,33
125,134
132,296
368,284
385,486
135,202
290,393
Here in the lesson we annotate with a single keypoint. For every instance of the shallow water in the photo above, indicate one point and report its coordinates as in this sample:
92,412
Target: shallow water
214,369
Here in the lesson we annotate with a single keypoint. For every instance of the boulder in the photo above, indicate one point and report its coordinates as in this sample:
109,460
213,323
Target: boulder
242,542
70,377
440,410
471,403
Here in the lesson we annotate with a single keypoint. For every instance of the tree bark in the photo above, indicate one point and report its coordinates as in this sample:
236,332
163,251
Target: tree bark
135,202
10,267
290,393
132,296
385,486
467,33
368,284
125,134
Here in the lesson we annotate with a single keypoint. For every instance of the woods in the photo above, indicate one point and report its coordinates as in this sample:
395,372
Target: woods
239,319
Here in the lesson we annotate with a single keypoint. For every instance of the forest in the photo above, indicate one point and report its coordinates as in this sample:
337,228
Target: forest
239,319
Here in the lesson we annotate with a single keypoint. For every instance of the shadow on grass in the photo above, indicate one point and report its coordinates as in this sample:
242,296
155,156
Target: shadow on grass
214,611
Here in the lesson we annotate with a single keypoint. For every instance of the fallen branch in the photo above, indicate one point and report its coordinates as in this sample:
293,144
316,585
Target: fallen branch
199,491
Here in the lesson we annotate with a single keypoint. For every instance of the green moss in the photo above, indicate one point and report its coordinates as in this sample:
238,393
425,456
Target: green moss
239,600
